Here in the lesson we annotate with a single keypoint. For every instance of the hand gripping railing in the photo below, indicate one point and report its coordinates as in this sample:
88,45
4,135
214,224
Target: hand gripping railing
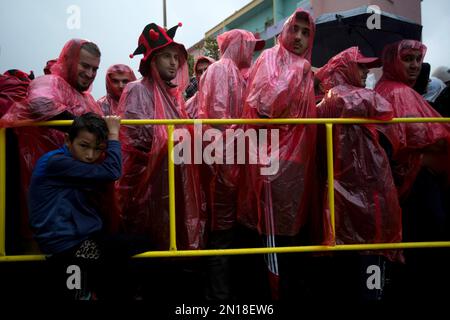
173,252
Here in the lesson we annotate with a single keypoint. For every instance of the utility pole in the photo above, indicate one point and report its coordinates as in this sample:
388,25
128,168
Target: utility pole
164,14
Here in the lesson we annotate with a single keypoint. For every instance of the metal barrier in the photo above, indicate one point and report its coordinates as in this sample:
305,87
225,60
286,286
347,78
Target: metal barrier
173,252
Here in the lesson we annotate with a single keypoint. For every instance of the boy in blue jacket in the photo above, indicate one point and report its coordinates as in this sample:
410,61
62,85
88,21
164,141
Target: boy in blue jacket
67,223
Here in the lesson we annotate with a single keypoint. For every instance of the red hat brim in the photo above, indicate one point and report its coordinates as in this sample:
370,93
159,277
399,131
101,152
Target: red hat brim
370,62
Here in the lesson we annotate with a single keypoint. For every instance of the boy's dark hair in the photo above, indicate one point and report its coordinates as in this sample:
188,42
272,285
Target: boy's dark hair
90,122
92,48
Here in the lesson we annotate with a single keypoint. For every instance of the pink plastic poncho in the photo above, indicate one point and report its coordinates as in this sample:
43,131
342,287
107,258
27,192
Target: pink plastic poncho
110,102
12,90
48,96
220,96
143,188
223,84
407,139
192,103
366,202
49,65
281,86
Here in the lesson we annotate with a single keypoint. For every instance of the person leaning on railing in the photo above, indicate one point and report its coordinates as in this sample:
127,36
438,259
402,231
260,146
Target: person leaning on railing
67,199
60,95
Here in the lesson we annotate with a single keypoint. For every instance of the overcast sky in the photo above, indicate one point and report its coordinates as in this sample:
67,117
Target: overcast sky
32,32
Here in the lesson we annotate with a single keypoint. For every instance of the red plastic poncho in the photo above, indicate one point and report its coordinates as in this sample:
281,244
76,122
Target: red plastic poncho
281,86
12,90
48,96
49,65
220,96
366,202
192,103
110,102
407,139
223,85
143,188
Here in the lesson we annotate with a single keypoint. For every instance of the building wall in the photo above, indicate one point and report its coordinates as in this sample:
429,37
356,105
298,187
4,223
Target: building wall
254,22
289,7
195,52
257,15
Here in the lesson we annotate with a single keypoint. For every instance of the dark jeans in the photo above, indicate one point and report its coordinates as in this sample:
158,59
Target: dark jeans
218,268
426,217
103,262
236,277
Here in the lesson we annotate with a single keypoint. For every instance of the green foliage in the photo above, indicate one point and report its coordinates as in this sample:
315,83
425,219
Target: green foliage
212,48
191,64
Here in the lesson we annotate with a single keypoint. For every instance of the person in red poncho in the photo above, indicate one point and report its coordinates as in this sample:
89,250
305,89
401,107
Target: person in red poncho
366,202
201,64
117,77
13,88
419,151
220,96
48,66
143,189
278,204
367,209
419,155
408,141
61,95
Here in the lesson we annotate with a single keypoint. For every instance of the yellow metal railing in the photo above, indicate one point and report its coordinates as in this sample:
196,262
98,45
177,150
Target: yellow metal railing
173,252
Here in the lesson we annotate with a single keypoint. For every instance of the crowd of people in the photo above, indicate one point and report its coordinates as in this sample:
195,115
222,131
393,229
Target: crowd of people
96,192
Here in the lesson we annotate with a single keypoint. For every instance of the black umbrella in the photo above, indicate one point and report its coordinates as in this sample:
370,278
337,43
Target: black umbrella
338,31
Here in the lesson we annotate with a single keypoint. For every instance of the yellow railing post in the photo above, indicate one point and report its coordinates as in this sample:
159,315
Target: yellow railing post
330,169
171,169
2,191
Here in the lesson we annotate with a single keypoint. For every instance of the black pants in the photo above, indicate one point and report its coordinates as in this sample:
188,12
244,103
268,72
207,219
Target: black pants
236,277
218,268
426,218
100,265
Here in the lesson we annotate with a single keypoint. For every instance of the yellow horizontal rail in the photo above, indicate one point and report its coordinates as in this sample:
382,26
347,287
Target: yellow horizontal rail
173,252
250,121
243,251
24,257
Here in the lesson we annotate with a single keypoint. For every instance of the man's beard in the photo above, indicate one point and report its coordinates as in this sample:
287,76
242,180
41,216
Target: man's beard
81,88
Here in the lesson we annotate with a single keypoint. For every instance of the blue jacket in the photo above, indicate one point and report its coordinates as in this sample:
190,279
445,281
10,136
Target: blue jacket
60,212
